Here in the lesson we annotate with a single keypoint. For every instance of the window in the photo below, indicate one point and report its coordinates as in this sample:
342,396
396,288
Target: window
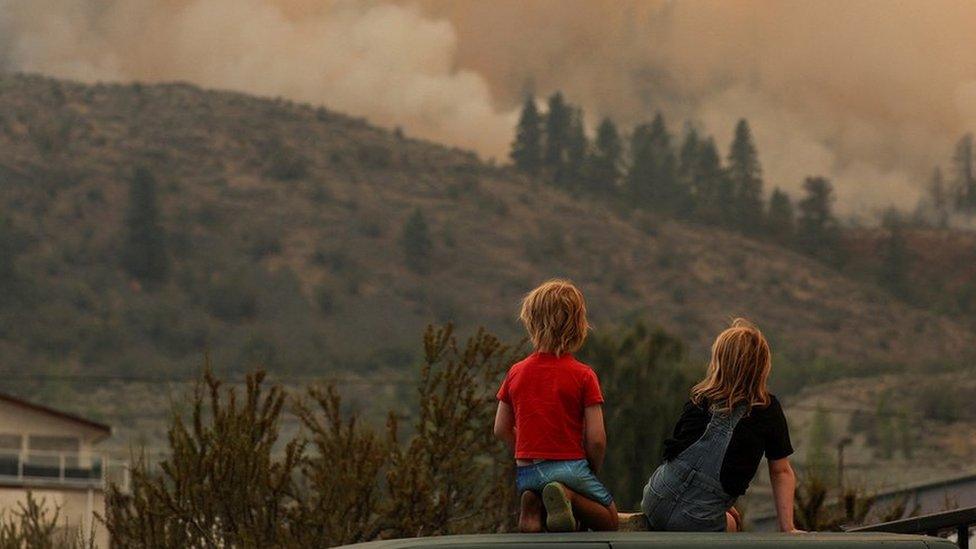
46,450
10,442
10,447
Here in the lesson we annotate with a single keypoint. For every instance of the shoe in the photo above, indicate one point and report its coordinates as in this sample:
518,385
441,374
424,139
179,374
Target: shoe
559,511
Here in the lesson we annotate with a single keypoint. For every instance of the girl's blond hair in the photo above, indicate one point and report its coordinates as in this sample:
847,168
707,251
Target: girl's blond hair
554,314
738,371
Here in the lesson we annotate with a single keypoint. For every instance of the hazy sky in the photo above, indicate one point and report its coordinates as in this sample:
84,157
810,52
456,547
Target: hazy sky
870,92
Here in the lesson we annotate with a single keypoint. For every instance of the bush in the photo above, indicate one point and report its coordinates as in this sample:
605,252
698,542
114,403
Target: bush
33,525
325,299
416,243
225,483
646,379
262,242
232,297
548,245
284,163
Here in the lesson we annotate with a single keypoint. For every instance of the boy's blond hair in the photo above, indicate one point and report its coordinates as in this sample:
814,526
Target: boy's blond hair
554,314
738,371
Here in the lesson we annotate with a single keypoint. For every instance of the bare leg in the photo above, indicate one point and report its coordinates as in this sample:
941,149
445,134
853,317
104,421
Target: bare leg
733,520
591,514
530,514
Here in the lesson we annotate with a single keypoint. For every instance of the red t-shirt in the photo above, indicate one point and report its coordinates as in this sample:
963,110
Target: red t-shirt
548,394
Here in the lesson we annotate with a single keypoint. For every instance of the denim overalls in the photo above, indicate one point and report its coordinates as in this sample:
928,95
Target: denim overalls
686,494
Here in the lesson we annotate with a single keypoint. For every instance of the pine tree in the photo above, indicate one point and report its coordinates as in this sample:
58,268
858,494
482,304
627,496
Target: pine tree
417,245
939,200
819,460
686,170
745,175
711,187
8,255
527,148
652,179
640,176
603,166
144,254
570,172
964,174
779,222
895,258
816,225
558,122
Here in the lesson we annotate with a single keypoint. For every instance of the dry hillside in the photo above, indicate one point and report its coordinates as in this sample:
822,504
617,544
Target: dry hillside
284,226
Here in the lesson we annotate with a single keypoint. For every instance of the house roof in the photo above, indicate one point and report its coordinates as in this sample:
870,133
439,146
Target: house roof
101,427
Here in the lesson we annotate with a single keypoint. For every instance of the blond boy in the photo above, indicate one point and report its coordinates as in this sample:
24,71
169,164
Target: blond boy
550,411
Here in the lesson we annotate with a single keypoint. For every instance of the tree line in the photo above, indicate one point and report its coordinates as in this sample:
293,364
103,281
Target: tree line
682,176
955,195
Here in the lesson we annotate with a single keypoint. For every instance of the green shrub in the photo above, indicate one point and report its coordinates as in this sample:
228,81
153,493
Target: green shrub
228,481
232,297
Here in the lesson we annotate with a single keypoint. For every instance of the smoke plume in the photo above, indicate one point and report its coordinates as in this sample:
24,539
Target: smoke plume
871,93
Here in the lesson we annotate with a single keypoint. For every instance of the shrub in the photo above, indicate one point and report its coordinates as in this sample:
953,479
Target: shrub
645,377
232,297
416,243
325,299
32,524
225,483
222,483
284,163
262,242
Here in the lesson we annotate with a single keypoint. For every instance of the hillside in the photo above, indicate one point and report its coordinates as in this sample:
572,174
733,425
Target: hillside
933,268
284,227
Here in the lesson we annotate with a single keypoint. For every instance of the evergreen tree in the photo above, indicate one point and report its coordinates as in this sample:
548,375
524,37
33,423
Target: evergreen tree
895,258
640,176
819,459
779,221
144,253
816,225
745,175
639,421
527,148
8,255
964,174
939,200
559,119
687,170
570,172
417,246
711,187
603,169
652,179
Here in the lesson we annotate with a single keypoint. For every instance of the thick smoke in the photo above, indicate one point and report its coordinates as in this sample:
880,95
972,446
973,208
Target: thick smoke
872,93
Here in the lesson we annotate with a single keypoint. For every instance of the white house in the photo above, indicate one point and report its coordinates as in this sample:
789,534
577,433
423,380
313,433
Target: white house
51,454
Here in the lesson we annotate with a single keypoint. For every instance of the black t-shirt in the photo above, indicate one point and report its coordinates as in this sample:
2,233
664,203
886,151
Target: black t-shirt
763,431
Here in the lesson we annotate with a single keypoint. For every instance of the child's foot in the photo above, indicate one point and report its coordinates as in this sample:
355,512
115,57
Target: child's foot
530,514
559,510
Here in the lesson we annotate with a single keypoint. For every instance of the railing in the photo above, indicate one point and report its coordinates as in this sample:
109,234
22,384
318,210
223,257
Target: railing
958,520
67,469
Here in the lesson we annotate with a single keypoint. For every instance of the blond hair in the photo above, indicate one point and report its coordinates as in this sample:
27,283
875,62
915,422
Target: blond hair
738,371
554,314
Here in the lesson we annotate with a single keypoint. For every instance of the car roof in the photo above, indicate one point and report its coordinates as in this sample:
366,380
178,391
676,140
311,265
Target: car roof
689,540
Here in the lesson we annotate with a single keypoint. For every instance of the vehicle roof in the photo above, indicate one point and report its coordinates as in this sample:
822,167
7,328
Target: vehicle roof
689,540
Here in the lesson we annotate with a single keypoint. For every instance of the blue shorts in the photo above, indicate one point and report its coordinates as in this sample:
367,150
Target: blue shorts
574,474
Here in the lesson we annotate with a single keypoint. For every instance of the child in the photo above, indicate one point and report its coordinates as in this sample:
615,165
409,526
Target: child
550,410
726,427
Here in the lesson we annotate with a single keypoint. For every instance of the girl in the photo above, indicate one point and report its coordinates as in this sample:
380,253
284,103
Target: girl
727,426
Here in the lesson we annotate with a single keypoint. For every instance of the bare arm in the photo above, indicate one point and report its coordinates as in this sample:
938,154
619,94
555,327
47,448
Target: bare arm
505,424
783,481
594,436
